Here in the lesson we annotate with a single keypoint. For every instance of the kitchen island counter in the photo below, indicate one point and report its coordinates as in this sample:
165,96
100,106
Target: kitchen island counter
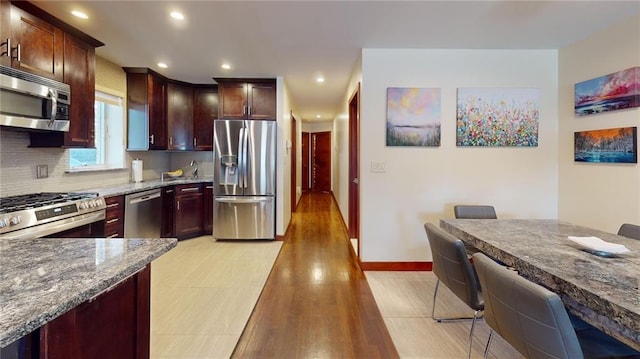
44,278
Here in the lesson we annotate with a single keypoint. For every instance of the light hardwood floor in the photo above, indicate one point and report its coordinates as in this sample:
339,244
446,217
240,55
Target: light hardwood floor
202,294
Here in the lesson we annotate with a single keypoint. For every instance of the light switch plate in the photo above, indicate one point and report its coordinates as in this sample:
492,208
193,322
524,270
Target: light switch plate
378,167
42,171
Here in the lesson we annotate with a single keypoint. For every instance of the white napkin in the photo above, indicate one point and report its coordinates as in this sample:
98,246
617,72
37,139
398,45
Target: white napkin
598,244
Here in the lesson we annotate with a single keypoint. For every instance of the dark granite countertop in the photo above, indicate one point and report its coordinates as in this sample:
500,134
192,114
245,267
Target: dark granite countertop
43,278
128,188
603,291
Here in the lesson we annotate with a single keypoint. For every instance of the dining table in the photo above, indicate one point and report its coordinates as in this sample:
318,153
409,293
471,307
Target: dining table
601,288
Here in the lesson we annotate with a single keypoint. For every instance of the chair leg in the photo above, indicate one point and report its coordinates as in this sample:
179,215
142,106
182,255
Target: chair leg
440,319
486,349
473,326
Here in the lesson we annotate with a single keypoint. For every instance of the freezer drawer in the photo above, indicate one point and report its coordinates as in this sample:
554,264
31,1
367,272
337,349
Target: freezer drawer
244,218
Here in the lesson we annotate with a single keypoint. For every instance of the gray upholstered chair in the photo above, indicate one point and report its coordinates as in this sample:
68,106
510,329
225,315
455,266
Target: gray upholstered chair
453,269
629,230
474,212
533,319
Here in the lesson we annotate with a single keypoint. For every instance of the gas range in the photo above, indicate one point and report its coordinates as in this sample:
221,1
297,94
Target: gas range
40,214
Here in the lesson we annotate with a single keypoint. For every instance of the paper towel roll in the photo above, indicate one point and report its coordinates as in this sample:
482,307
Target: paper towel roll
136,170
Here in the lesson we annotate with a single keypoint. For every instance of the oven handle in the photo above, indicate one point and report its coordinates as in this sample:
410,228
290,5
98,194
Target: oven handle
56,227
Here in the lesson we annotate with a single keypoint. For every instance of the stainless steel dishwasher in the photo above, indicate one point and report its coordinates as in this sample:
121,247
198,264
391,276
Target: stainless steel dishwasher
142,212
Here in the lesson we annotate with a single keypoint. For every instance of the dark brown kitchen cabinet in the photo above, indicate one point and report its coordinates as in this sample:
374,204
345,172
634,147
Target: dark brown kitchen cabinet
188,211
36,45
114,217
168,212
205,111
146,109
208,208
180,116
251,99
114,324
5,33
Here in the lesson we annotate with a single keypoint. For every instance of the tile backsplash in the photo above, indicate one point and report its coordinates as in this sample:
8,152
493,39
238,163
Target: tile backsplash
18,167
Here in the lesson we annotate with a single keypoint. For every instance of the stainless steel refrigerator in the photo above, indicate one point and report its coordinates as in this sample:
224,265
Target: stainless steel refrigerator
244,176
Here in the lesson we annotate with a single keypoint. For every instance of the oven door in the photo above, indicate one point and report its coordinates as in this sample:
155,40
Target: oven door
84,225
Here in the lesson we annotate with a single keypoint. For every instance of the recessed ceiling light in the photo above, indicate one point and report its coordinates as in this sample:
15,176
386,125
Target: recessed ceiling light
317,116
226,66
79,14
177,15
319,79
162,65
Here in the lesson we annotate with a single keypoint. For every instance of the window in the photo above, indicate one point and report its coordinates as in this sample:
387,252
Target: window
109,134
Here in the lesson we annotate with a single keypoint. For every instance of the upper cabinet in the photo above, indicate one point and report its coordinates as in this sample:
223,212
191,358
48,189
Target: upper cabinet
34,41
180,116
205,111
146,110
251,99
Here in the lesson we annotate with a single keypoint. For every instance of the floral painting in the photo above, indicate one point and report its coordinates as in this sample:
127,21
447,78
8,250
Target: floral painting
611,92
609,145
497,117
413,116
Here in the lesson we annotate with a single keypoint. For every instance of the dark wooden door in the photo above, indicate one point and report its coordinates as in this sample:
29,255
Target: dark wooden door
205,111
208,209
354,159
168,212
180,117
5,31
156,102
188,211
306,160
79,68
321,162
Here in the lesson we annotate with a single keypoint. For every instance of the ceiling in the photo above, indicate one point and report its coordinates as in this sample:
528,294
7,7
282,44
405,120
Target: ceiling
300,40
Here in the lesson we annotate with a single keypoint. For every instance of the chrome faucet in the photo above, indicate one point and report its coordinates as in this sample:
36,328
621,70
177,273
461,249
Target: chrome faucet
195,171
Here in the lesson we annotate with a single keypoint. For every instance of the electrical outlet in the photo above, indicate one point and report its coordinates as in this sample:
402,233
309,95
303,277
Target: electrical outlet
42,171
378,167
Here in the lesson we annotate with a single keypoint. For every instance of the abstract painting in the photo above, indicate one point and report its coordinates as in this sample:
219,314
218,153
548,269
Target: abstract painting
497,117
610,92
413,116
617,145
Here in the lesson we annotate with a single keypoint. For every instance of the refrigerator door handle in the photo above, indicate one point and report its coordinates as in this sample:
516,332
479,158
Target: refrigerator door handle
245,140
241,158
243,199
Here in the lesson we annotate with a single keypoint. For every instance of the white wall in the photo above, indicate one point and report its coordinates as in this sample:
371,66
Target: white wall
283,180
423,184
602,196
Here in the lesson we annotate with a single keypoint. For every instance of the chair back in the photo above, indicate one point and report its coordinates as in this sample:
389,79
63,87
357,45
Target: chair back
452,267
528,316
629,230
474,212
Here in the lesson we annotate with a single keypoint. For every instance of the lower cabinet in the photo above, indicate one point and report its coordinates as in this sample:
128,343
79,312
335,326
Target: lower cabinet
114,324
114,217
188,210
208,208
168,212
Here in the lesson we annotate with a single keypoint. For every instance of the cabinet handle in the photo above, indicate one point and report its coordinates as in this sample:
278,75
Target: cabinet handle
113,205
112,220
178,204
193,189
249,110
195,142
151,139
169,191
171,141
209,187
8,45
244,110
18,57
113,235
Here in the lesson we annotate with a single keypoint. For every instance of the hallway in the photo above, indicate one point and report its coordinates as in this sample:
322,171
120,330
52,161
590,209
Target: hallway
316,302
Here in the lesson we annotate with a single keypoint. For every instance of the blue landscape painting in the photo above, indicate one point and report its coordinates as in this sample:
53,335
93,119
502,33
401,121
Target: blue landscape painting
611,92
617,145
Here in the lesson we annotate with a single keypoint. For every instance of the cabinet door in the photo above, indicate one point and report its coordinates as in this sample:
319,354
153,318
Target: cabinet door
188,218
205,112
5,31
168,212
114,218
180,117
262,101
157,115
41,45
233,100
79,73
208,209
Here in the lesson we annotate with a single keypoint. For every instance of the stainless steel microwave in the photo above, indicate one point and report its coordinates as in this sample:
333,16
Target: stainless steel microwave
33,102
